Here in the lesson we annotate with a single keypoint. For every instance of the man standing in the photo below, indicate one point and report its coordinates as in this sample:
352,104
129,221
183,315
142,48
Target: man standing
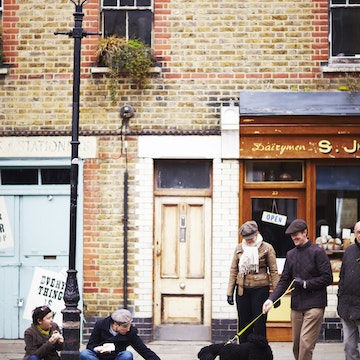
349,297
308,267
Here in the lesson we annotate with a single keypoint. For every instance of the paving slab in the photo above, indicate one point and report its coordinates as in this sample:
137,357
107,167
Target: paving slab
188,350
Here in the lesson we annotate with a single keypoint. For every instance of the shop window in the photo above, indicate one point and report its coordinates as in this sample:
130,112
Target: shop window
274,171
131,19
344,29
274,233
35,176
337,200
175,174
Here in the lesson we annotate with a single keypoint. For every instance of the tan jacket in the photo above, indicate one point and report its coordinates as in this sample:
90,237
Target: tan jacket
268,273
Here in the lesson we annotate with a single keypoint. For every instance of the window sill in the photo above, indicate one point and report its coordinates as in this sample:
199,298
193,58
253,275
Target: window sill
340,68
4,70
106,70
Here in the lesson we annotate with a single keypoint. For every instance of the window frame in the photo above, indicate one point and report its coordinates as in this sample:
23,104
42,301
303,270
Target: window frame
206,191
126,9
334,58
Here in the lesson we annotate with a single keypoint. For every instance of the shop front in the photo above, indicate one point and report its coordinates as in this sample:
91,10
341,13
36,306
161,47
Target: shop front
299,159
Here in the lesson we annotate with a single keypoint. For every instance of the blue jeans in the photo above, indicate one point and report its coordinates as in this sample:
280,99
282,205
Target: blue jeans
351,329
92,355
33,357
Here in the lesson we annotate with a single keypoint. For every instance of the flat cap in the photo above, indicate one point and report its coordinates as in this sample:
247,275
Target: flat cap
296,226
121,316
248,229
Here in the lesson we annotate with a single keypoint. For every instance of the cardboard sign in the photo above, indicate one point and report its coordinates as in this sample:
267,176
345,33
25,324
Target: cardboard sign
47,288
274,218
6,237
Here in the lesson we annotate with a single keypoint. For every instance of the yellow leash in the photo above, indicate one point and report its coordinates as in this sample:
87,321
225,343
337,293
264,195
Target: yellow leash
236,337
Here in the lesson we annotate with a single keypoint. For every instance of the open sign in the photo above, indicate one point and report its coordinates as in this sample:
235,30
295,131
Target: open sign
274,218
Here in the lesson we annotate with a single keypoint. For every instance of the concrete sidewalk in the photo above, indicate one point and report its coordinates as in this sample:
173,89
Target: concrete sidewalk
188,350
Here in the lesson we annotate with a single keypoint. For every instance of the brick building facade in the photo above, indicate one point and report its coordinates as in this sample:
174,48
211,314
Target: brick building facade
207,53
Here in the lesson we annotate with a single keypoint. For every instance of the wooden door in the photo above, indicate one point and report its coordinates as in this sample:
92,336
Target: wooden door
288,202
182,289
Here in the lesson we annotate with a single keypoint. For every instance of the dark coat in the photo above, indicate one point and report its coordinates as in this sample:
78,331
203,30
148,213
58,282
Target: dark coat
349,284
39,345
310,263
101,335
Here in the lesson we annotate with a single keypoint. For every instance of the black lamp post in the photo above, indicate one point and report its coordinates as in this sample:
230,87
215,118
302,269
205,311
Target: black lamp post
71,314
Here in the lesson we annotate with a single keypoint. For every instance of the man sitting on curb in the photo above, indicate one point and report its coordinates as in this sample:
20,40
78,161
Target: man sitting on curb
112,335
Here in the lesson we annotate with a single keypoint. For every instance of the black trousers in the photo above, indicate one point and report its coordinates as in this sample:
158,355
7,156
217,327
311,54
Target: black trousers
249,306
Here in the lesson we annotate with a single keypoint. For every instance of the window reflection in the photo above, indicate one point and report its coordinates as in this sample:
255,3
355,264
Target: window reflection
273,233
337,198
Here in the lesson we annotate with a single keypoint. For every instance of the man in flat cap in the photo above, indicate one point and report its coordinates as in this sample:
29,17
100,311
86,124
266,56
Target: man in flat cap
111,336
308,268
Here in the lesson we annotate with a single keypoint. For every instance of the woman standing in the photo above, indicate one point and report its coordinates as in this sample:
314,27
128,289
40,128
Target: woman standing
253,269
43,339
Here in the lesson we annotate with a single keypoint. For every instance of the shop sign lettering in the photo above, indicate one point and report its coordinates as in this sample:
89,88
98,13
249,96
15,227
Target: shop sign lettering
310,148
280,149
326,147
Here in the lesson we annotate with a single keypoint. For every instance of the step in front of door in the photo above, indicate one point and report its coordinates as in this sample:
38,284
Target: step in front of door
182,332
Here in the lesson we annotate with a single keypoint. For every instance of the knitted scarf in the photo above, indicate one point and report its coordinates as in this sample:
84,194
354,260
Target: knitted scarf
42,331
249,260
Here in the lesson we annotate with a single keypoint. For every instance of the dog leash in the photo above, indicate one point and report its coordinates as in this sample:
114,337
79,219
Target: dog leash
236,337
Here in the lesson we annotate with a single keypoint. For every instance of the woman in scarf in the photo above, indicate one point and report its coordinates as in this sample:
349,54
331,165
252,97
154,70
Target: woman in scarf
252,271
43,339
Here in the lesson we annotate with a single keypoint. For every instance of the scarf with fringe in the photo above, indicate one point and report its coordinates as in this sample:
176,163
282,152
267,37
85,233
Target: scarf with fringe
249,260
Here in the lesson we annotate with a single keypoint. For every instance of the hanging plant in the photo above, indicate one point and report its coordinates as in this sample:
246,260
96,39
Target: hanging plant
132,59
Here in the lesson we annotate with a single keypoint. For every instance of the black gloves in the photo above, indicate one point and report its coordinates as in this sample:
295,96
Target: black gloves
230,300
298,282
277,304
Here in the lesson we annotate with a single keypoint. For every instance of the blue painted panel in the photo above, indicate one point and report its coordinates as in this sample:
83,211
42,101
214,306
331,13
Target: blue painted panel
9,267
45,225
44,231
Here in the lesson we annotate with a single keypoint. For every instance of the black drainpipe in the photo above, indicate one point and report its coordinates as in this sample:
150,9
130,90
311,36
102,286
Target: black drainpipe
126,177
126,113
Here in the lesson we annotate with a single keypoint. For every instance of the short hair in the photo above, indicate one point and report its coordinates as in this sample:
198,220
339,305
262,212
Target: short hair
39,313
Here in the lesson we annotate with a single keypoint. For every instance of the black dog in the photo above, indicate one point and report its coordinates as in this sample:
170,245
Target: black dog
256,348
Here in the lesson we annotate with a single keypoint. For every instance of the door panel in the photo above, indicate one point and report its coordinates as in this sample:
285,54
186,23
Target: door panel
182,276
9,268
40,230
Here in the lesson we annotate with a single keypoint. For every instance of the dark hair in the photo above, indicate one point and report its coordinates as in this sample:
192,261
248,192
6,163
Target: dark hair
39,313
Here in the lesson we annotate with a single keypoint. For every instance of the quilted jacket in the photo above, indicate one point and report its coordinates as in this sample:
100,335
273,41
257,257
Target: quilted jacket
349,284
310,263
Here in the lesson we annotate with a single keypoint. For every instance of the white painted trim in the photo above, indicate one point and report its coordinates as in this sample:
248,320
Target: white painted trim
45,147
179,147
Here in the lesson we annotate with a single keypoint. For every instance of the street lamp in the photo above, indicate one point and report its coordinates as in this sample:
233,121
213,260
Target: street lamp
71,314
